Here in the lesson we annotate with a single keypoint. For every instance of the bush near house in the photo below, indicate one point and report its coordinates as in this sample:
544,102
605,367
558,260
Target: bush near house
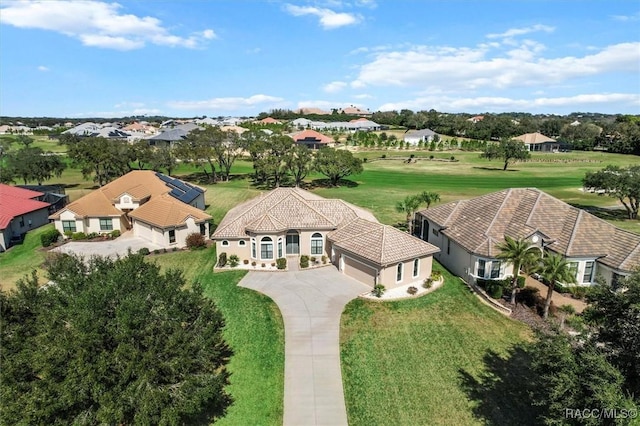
115,233
234,260
195,241
498,288
77,236
144,251
304,261
222,260
49,237
281,263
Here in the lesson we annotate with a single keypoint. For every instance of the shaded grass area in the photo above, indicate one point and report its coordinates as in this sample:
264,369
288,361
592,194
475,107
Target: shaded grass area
23,258
255,332
402,361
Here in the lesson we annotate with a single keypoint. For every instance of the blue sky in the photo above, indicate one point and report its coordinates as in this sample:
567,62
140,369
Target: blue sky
241,57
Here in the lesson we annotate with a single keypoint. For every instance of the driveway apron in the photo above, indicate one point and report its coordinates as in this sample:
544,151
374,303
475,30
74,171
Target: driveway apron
311,303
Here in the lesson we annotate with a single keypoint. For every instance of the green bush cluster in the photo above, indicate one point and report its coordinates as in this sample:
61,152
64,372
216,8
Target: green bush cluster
304,261
234,260
49,237
222,260
498,288
195,241
144,251
115,233
76,236
281,263
378,290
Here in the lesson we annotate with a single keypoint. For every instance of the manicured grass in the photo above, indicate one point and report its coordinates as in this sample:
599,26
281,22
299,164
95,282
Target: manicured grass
21,259
255,332
408,363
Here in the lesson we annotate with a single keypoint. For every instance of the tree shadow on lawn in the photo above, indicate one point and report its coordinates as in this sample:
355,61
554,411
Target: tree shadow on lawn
603,212
326,183
494,169
501,393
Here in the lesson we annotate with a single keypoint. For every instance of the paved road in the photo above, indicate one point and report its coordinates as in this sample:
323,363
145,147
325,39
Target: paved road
311,303
109,248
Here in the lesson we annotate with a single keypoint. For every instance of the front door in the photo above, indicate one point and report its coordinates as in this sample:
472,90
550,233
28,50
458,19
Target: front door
293,244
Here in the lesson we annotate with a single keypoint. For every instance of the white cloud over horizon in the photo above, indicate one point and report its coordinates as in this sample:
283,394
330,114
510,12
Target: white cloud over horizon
97,24
328,18
228,103
334,86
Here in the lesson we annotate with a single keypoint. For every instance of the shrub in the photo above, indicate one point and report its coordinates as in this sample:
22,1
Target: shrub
143,251
78,236
222,260
115,233
234,260
324,259
92,235
164,250
521,281
495,290
246,261
263,265
304,261
412,290
156,251
378,290
383,156
68,234
431,157
49,237
453,158
436,275
312,259
175,249
281,263
529,296
273,264
253,264
428,283
195,241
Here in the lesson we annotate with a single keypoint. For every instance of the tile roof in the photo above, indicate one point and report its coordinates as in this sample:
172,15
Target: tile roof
17,201
165,211
140,185
480,223
382,244
287,208
311,135
533,138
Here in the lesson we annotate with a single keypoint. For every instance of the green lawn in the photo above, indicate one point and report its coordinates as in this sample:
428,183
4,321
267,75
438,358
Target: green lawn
255,332
21,259
409,363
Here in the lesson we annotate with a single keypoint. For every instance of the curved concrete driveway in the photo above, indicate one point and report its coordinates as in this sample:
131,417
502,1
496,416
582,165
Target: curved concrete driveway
311,303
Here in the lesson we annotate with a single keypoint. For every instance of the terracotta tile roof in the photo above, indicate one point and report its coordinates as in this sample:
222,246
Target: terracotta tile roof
269,120
479,224
165,211
533,138
17,201
311,135
287,208
140,185
382,244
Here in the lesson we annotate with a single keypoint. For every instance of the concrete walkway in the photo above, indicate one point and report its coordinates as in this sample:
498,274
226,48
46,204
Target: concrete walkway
311,303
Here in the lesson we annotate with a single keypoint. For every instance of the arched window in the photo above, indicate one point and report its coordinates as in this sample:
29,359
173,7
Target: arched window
253,248
225,243
416,268
399,272
266,248
317,243
242,243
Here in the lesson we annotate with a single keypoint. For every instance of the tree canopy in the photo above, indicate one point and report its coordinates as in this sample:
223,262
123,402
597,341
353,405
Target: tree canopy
111,342
507,150
622,183
99,158
337,164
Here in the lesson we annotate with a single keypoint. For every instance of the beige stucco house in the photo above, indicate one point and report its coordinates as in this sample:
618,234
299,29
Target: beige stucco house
156,207
468,231
289,222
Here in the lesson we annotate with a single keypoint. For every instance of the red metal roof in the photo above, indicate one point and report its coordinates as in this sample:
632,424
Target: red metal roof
17,201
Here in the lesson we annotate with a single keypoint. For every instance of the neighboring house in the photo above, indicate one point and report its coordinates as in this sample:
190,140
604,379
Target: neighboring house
310,111
311,139
352,110
289,222
53,194
301,123
414,137
158,208
237,129
168,138
268,120
467,233
20,211
360,124
539,142
476,119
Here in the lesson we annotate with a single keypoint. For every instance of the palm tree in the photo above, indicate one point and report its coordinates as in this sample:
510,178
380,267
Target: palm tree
555,268
429,197
409,206
518,253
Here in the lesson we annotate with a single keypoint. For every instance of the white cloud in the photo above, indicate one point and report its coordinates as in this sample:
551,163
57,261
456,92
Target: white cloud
334,86
43,68
97,24
501,104
227,104
521,31
328,18
434,67
118,113
363,96
626,18
326,105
